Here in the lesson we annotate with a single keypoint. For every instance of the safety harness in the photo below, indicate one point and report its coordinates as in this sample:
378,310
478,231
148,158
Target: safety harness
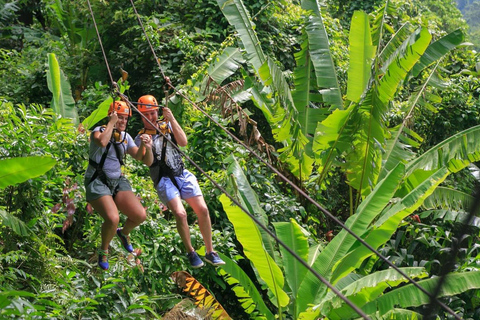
99,173
163,169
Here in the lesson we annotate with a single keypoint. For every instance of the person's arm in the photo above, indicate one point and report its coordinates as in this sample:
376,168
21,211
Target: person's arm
177,130
144,152
101,139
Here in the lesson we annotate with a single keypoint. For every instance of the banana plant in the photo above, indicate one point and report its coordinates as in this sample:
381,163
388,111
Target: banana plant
58,84
392,181
376,219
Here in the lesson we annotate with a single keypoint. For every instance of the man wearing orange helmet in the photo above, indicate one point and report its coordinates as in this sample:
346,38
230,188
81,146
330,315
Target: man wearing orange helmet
107,190
172,181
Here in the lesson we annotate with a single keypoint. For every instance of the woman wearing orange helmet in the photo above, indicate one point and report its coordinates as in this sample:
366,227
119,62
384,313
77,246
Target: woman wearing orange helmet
107,190
171,180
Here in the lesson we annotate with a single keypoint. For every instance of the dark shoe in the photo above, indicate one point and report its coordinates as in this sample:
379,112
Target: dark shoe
125,240
103,259
214,259
195,260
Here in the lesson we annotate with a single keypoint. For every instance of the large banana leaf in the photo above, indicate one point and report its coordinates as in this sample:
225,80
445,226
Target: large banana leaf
17,170
387,224
365,158
245,290
368,210
320,55
249,236
454,153
387,54
398,148
249,199
405,58
332,138
292,235
447,198
306,92
62,102
361,56
238,16
365,290
224,65
363,162
410,296
438,49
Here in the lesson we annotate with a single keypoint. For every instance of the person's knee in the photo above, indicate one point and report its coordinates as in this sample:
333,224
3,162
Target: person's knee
180,215
113,219
202,212
142,216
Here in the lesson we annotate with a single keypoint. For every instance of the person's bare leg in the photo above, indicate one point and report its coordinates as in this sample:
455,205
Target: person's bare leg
130,206
180,214
201,210
107,209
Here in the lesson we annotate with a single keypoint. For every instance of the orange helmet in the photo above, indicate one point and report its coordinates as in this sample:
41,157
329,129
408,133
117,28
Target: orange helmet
121,108
147,103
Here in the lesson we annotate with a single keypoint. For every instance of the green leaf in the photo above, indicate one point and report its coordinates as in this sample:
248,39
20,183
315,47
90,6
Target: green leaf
59,86
238,16
245,290
17,225
97,115
362,53
225,65
387,224
410,296
102,110
438,49
366,289
447,198
17,170
321,57
405,58
292,235
249,236
455,152
340,245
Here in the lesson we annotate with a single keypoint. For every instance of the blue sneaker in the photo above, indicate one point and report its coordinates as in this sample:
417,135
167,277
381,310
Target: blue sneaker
125,240
103,259
195,260
214,259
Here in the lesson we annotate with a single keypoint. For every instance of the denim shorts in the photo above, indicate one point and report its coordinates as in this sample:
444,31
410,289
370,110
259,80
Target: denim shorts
97,188
187,183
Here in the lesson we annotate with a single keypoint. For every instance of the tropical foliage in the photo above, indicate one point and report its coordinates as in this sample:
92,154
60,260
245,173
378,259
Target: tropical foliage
349,178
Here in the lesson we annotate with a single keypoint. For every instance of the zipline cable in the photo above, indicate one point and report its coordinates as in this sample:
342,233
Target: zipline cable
326,212
101,44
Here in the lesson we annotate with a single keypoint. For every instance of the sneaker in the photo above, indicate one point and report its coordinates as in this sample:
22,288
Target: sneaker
195,260
214,259
103,259
125,240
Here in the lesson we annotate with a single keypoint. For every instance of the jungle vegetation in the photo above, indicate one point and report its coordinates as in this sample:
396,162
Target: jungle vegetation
346,135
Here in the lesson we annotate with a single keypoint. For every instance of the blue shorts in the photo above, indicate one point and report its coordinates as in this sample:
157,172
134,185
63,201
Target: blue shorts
187,183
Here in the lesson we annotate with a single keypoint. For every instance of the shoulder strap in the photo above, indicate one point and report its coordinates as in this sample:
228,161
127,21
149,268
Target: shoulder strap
162,163
98,166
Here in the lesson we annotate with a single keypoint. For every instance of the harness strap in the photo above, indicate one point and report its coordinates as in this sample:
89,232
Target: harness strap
168,171
98,166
